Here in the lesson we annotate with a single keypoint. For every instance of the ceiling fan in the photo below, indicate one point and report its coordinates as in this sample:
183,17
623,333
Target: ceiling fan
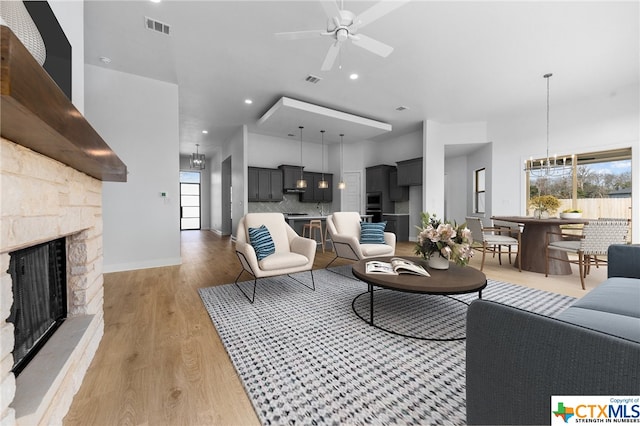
343,25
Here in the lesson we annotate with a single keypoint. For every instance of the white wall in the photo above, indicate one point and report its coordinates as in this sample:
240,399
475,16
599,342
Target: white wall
236,147
594,124
457,189
138,118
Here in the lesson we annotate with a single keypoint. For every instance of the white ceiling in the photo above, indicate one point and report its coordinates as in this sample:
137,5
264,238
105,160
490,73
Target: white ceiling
453,61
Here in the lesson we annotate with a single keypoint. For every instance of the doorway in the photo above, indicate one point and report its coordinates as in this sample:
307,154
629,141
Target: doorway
189,200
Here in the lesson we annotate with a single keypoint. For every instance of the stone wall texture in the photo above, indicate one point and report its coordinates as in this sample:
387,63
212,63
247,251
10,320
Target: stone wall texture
41,200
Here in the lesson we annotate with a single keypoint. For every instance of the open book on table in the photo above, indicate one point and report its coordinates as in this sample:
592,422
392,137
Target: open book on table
395,267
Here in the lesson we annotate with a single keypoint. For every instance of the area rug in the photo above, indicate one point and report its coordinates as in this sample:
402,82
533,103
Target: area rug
304,357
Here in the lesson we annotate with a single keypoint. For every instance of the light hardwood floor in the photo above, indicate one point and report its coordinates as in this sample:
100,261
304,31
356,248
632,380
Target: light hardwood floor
161,361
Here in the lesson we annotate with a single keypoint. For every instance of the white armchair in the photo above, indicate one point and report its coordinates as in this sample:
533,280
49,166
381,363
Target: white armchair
291,253
344,229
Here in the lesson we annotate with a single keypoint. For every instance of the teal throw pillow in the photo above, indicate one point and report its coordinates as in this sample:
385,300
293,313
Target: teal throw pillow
372,233
261,240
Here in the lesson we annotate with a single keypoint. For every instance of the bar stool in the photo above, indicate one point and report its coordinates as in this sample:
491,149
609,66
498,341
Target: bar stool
312,226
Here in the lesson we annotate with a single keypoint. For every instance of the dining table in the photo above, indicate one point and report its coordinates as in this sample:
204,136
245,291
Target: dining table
531,254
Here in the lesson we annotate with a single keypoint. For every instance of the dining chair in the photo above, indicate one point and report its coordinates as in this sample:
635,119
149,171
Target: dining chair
492,239
597,236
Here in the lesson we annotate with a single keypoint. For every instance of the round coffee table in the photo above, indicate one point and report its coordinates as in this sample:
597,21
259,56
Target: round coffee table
455,280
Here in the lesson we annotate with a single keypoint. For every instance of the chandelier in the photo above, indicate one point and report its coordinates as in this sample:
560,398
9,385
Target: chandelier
323,184
549,166
197,160
301,183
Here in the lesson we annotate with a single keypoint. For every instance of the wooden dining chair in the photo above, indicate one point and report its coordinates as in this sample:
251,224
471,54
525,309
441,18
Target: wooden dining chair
597,236
493,239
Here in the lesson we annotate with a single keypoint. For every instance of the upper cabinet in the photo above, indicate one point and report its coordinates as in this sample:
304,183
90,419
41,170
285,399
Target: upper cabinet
377,178
313,194
265,184
290,175
397,192
410,172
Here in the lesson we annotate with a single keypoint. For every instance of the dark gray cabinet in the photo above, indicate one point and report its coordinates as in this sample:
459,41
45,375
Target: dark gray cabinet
313,194
377,178
264,184
290,175
398,224
410,172
397,192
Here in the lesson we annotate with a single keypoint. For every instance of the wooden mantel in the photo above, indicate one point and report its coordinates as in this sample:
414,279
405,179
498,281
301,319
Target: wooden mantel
35,113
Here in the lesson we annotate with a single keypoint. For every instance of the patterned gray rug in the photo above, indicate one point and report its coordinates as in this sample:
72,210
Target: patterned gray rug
304,357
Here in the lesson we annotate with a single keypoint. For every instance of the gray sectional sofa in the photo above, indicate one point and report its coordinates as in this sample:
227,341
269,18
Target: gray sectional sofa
516,360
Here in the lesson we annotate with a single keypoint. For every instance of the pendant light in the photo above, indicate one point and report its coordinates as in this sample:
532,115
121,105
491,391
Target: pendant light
341,184
323,184
549,166
197,160
301,183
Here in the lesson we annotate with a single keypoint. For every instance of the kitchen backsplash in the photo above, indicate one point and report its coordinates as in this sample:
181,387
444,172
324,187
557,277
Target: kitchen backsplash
291,204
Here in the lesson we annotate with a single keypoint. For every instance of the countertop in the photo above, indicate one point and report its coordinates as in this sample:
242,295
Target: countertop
395,214
321,217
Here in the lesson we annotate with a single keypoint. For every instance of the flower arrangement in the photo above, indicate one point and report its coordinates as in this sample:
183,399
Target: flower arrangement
545,203
445,238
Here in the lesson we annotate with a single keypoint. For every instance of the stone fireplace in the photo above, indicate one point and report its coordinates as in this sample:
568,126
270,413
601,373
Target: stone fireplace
52,165
43,199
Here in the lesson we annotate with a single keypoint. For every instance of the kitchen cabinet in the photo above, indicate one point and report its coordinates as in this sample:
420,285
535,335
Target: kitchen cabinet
313,194
377,178
398,224
290,175
397,192
264,184
410,172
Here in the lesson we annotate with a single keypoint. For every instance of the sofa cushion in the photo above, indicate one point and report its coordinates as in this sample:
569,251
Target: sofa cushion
615,295
372,233
371,250
347,223
261,240
276,225
614,324
613,307
282,261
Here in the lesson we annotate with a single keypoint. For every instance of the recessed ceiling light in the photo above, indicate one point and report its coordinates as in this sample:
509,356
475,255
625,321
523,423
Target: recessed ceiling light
353,76
105,60
204,132
248,101
155,1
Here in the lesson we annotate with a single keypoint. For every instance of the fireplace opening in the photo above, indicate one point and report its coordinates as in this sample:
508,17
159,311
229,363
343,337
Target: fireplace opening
39,280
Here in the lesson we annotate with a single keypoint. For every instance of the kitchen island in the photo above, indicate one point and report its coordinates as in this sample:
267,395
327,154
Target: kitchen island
298,220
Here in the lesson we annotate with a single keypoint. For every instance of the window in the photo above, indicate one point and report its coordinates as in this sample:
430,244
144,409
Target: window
597,183
479,191
189,200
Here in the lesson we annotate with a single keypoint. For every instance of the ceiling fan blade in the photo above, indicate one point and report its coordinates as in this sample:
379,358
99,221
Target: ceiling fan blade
296,35
377,11
331,56
372,45
331,8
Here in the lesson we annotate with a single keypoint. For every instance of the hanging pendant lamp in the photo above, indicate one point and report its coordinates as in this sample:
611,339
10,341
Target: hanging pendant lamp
549,166
323,184
301,183
197,160
341,184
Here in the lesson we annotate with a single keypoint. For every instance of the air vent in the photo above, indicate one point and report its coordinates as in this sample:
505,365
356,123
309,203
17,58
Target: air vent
312,79
154,25
402,108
